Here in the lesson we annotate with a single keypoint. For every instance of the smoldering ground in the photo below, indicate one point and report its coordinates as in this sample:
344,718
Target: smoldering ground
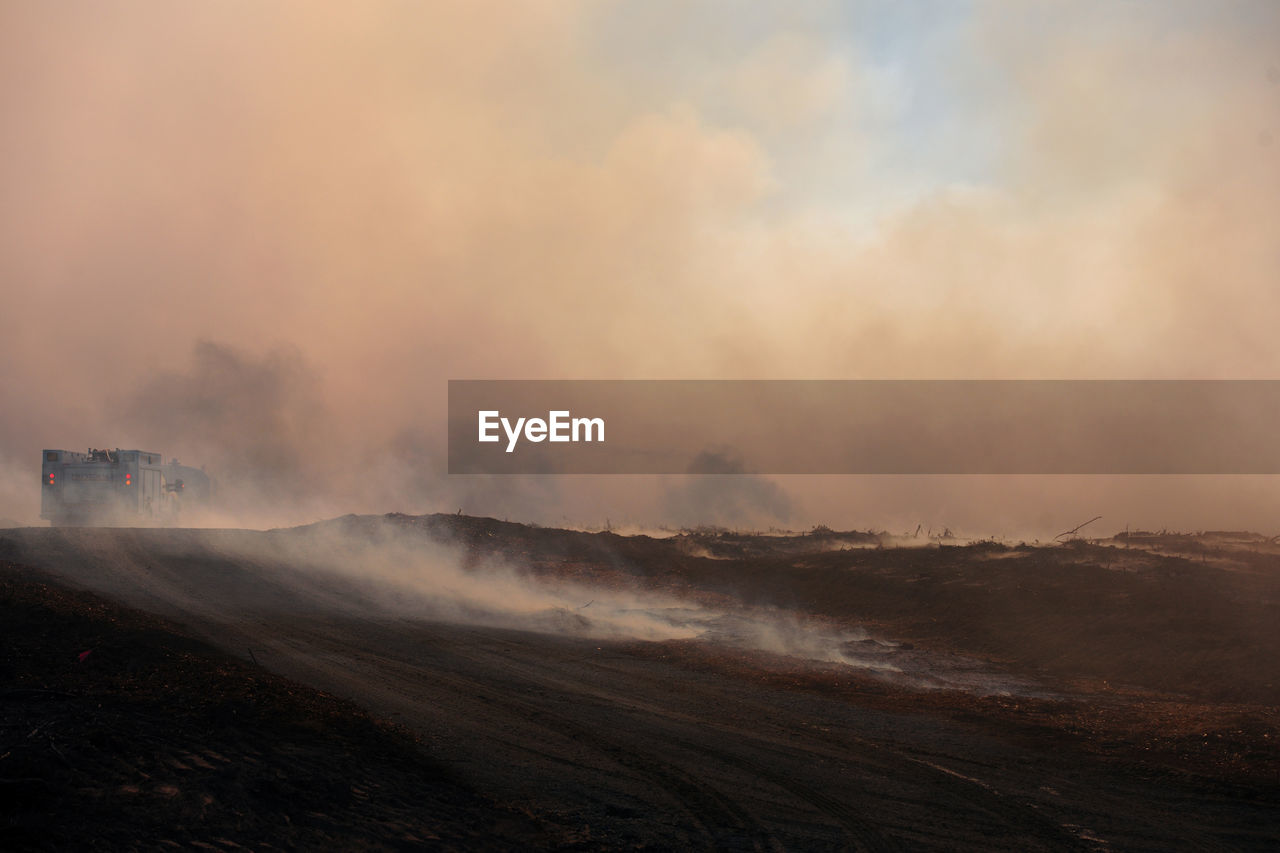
374,568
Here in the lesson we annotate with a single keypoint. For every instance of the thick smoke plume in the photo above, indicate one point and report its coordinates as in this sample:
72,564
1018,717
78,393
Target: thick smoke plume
260,423
350,206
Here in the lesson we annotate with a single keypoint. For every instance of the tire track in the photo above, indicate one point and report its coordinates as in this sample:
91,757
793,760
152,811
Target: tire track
718,818
864,834
885,761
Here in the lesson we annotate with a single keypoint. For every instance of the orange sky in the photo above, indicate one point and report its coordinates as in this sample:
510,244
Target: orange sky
264,236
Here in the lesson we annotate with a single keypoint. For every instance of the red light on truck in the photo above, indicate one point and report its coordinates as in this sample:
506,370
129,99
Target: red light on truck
51,479
128,479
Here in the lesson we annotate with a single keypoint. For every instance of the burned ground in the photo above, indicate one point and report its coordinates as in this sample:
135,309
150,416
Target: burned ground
1183,615
120,732
1127,697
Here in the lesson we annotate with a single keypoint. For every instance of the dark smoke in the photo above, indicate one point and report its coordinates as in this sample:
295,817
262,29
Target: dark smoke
719,490
258,423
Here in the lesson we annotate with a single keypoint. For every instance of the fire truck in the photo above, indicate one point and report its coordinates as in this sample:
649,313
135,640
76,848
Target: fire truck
122,488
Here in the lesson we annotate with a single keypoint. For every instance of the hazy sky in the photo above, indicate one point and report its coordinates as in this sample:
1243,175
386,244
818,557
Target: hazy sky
262,236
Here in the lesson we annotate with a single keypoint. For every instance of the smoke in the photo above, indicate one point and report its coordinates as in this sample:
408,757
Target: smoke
719,491
409,575
371,569
351,206
402,572
261,423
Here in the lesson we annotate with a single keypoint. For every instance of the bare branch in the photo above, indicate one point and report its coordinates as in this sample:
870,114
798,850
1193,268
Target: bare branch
1078,527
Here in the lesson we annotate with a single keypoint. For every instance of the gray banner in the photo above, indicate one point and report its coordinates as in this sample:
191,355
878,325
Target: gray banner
864,427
